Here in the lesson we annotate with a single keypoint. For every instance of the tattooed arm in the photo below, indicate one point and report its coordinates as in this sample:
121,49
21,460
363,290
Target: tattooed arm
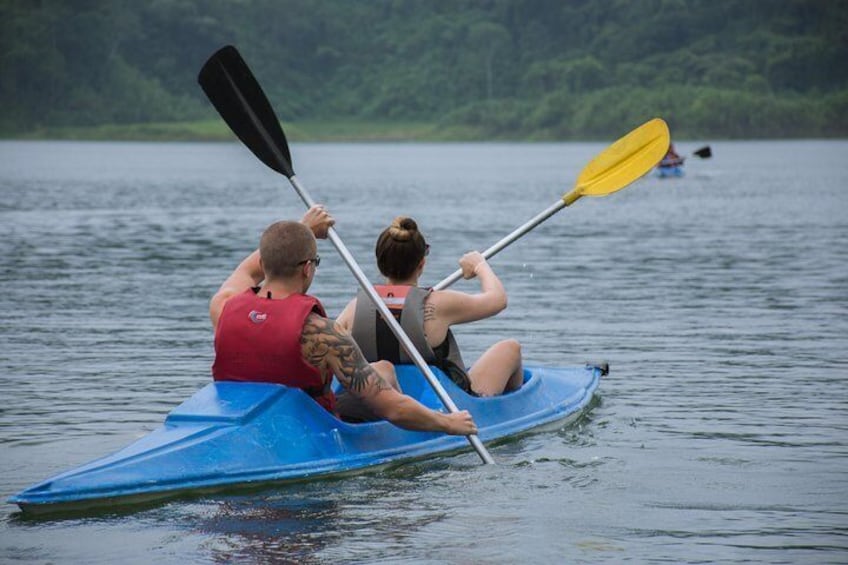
326,344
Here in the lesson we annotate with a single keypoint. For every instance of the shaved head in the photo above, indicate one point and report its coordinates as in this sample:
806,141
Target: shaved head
284,247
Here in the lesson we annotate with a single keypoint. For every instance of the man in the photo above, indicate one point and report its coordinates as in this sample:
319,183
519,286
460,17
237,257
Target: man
277,333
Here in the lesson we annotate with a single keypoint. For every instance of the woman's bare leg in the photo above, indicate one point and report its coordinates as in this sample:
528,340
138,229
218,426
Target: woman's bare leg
498,369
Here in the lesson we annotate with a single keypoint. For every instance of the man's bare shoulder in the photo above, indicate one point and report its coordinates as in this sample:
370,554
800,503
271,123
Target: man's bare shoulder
217,303
315,322
316,325
322,338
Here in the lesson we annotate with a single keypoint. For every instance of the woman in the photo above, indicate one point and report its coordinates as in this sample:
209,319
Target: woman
427,315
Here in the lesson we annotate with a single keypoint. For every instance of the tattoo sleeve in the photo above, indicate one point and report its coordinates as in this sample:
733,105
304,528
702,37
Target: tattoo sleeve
325,343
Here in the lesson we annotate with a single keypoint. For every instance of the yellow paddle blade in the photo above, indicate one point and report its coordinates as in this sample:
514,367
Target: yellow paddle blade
623,162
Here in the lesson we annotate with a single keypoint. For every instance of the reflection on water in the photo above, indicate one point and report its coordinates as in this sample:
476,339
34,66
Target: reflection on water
718,299
262,528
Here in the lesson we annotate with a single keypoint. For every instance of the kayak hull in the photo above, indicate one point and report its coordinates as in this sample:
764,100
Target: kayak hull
231,434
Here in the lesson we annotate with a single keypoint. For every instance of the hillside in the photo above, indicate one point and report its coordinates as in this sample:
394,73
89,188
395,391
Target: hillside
496,69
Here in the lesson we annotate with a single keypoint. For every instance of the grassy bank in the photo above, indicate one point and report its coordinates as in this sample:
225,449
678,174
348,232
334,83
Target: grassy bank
217,130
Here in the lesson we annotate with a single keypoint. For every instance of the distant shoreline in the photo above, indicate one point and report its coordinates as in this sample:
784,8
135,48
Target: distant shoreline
217,130
320,131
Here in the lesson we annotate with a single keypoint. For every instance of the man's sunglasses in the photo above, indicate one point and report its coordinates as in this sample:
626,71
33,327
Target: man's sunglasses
315,261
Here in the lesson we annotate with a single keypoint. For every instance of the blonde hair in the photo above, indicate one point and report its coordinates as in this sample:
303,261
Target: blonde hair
400,248
284,246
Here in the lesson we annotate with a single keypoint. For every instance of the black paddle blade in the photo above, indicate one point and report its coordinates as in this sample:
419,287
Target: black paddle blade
704,152
233,90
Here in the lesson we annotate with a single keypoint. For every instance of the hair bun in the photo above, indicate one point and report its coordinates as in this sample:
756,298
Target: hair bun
402,228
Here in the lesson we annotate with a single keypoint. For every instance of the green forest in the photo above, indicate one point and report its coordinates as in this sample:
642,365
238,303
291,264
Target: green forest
415,69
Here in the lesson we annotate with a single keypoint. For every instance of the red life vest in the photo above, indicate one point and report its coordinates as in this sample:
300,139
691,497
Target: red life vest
258,340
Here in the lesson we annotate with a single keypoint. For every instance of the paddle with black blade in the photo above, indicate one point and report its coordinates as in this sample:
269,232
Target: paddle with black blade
623,162
233,90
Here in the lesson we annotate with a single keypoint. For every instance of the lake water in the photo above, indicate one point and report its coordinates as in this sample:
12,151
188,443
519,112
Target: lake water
720,300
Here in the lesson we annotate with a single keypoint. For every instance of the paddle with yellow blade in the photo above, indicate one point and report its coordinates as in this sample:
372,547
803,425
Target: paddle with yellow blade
623,162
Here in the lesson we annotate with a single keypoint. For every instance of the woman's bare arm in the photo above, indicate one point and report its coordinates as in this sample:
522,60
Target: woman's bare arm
452,307
345,319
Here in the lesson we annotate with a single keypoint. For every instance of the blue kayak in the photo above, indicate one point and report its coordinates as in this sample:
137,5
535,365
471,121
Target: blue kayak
244,434
670,171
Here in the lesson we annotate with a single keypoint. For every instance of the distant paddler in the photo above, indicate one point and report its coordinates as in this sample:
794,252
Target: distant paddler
672,158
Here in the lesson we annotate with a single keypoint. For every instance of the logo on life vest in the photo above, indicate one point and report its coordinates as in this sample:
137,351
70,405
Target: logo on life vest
257,317
394,301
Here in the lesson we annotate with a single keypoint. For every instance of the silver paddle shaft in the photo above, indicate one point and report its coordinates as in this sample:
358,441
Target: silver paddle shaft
404,340
505,242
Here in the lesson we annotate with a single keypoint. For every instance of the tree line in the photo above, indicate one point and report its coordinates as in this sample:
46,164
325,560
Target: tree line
507,69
